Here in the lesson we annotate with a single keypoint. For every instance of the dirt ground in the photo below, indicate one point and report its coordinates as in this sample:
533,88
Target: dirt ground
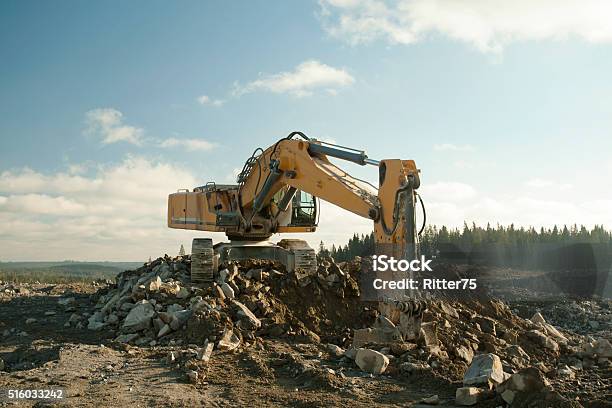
51,356
96,371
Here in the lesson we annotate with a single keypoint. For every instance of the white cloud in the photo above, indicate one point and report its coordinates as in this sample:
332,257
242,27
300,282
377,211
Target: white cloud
538,183
451,204
107,124
453,147
206,100
302,81
189,144
117,213
487,25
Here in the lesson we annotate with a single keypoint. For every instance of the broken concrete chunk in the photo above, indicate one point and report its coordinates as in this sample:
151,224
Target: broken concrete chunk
485,369
179,319
429,334
464,353
205,352
229,341
154,284
466,396
247,316
164,331
139,317
375,336
543,340
527,380
371,361
537,318
228,292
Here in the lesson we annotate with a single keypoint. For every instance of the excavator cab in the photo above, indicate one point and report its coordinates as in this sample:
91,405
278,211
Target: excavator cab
303,210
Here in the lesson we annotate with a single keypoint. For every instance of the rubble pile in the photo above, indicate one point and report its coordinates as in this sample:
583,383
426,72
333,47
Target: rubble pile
157,304
481,344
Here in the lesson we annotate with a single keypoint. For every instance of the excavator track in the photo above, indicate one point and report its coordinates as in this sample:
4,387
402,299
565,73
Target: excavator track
202,260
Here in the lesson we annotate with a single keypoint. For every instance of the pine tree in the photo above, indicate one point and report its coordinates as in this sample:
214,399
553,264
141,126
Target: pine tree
182,251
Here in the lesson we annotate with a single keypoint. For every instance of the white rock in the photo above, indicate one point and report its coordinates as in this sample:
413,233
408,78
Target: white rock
205,352
164,330
223,275
565,371
154,284
538,318
371,361
247,316
467,396
484,369
229,341
227,290
30,320
464,353
139,317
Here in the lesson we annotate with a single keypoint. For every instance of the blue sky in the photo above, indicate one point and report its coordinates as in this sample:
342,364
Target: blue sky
108,106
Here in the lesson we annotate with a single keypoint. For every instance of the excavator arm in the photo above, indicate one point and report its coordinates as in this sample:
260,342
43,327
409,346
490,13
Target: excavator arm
304,165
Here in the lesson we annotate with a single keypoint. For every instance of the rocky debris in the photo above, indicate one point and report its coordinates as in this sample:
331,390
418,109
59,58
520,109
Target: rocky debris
253,298
375,335
548,329
433,400
205,352
371,361
473,340
543,340
335,351
228,341
30,320
464,353
485,369
601,348
139,317
466,396
192,376
66,301
527,381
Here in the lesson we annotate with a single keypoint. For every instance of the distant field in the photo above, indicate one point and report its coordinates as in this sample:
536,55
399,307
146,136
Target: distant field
62,272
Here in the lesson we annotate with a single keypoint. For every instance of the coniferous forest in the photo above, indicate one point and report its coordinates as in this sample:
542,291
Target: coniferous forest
565,248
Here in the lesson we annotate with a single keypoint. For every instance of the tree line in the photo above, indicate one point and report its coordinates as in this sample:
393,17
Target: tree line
505,246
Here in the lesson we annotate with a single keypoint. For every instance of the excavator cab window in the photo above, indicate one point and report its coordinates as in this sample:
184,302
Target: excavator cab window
303,209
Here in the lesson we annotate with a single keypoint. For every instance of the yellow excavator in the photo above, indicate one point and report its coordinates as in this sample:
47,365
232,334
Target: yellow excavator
278,190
